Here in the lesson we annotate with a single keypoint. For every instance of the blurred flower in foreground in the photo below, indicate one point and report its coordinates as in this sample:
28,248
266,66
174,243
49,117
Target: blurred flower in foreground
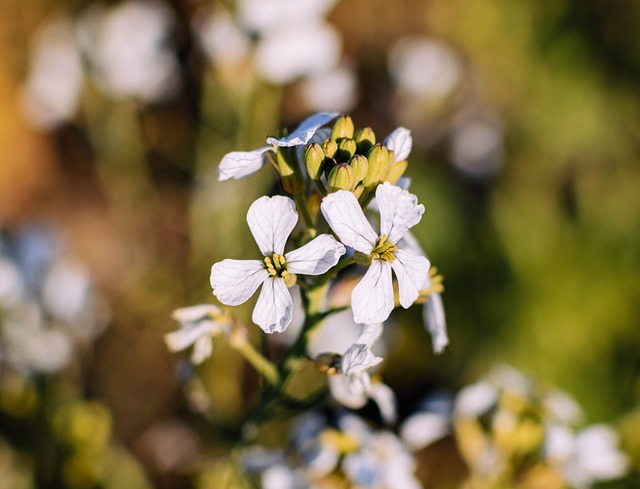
477,145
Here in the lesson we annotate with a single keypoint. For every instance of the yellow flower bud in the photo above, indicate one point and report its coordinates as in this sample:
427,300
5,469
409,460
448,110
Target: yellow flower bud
360,165
313,159
340,178
396,170
346,149
342,128
365,138
289,172
329,147
378,158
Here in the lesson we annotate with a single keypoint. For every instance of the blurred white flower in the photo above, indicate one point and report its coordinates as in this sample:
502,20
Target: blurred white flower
221,38
12,287
424,67
477,146
271,220
475,399
66,289
263,16
372,300
198,325
336,89
297,50
52,91
429,424
131,52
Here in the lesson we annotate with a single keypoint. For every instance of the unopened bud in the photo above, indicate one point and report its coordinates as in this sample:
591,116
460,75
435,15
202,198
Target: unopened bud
365,138
396,170
359,164
342,128
358,190
329,164
346,149
340,178
313,159
329,147
378,158
290,178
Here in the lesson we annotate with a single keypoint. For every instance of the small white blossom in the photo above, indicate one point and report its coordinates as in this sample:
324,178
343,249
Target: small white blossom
400,142
198,325
372,300
239,164
271,220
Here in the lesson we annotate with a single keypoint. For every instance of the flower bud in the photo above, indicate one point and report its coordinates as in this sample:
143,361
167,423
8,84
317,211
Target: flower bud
365,138
329,147
340,178
346,149
378,158
289,173
342,128
358,190
396,170
313,159
359,164
328,363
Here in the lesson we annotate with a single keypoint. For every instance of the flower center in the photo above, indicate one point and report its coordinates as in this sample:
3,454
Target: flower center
276,265
383,250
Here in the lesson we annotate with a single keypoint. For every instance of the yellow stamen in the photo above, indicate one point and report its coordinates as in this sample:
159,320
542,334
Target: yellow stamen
383,250
275,265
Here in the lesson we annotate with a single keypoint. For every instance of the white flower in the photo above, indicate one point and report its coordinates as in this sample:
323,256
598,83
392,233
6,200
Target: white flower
198,325
400,142
239,164
271,220
372,300
354,366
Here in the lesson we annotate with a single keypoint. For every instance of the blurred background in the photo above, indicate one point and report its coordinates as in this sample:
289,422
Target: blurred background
525,119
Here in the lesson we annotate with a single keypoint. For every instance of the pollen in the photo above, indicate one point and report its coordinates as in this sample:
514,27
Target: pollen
275,265
383,250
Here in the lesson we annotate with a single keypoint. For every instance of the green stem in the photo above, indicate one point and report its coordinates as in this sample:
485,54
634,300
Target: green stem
302,206
267,369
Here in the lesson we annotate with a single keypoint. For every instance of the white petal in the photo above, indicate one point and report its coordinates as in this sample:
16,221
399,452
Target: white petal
424,428
370,334
435,322
271,220
384,397
196,313
316,257
185,337
305,131
274,309
400,142
399,211
372,298
238,164
234,281
345,217
357,359
202,349
341,392
411,271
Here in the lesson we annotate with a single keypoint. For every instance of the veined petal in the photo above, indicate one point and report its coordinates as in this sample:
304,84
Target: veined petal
411,271
358,359
303,133
274,309
370,334
400,142
435,322
238,164
345,217
399,211
271,220
234,281
372,298
316,257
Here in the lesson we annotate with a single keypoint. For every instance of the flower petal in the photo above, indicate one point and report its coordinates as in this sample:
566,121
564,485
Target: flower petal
370,334
341,391
238,164
345,217
400,142
411,271
358,359
316,257
202,349
185,337
372,298
196,313
234,281
384,397
303,133
274,309
271,220
435,322
399,211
